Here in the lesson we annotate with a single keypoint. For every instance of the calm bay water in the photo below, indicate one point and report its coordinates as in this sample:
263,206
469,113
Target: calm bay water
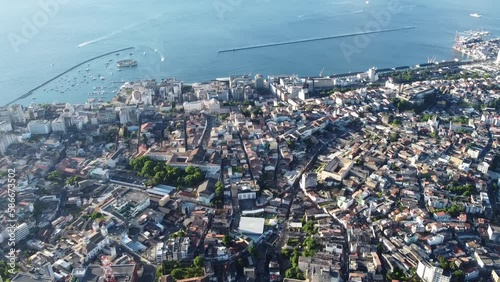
181,39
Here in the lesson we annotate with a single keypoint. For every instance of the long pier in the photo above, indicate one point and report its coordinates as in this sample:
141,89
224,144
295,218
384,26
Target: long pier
313,39
29,93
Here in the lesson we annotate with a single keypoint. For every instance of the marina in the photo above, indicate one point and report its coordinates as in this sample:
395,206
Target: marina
62,88
473,43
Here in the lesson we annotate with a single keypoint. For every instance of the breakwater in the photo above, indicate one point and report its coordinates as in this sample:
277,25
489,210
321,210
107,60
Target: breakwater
29,93
313,39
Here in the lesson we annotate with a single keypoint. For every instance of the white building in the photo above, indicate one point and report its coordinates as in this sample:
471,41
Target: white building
308,180
212,106
193,106
435,240
430,273
483,167
59,125
5,126
22,231
247,196
39,127
94,244
494,233
129,115
5,140
17,114
259,82
498,59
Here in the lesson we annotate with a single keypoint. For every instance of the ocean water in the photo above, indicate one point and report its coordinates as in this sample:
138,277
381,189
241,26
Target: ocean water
180,38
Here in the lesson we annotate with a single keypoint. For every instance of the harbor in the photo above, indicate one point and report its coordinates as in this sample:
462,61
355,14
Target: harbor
64,80
475,45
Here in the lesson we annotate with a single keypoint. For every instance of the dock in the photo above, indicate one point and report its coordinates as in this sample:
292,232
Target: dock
314,39
29,93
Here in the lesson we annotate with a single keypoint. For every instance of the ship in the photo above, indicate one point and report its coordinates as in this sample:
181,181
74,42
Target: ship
475,15
126,63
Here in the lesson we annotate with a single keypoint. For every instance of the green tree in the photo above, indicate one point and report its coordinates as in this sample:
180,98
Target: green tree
309,228
148,169
295,258
199,261
294,273
227,240
286,252
251,250
55,176
219,189
458,275
394,136
72,180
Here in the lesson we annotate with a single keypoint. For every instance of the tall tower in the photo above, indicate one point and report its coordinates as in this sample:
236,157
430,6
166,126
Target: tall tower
109,276
497,62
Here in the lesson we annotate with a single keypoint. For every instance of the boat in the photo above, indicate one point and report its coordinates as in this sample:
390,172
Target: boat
126,63
131,54
475,15
144,53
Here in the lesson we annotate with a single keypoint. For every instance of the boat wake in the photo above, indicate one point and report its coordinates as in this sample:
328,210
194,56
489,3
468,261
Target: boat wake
306,16
104,37
407,6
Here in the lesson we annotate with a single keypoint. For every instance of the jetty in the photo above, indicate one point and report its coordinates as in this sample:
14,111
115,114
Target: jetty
313,39
29,93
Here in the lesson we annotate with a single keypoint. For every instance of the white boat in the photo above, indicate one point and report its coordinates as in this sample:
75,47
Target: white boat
475,15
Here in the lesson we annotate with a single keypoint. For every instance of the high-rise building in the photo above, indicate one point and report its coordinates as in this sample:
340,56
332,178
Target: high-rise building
498,59
22,231
309,180
259,82
59,125
430,273
39,127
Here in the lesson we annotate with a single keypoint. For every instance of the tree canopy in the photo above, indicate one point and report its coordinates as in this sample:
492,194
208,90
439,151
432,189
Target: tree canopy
160,173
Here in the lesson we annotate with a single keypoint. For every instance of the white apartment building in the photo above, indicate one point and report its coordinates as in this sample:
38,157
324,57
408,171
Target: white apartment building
58,125
22,232
5,126
40,127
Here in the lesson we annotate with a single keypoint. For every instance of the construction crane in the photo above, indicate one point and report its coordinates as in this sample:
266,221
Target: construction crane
321,73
